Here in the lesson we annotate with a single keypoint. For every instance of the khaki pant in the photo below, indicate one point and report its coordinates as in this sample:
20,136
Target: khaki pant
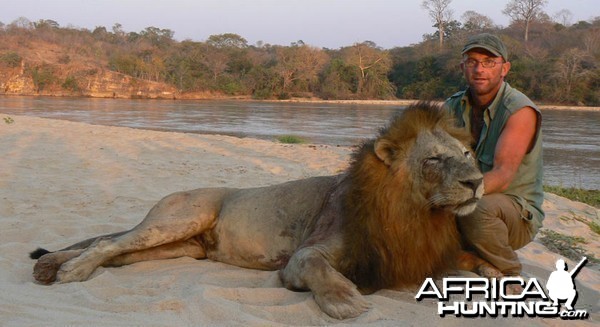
495,230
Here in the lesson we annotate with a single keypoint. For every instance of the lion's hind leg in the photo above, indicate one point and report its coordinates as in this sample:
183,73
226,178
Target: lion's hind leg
335,294
173,220
188,248
48,264
39,252
119,251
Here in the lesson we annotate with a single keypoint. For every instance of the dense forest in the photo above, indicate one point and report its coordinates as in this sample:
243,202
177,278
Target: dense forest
553,62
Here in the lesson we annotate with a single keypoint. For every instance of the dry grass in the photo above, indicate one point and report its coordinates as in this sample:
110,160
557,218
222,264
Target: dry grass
565,245
591,197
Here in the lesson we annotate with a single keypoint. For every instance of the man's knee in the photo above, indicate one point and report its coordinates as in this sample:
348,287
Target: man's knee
495,229
484,220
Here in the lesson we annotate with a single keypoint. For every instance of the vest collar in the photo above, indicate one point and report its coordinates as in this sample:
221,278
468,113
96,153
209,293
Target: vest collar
490,110
488,114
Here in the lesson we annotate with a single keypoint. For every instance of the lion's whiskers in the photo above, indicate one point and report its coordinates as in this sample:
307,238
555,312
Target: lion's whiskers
434,201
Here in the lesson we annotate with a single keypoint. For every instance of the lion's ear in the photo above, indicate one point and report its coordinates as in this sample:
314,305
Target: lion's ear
385,150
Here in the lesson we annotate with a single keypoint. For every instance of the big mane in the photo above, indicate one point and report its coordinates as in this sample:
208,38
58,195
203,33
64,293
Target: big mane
398,244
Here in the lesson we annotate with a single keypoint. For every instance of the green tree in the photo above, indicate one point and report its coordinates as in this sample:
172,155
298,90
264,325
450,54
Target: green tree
440,14
298,65
185,68
46,24
525,11
452,29
338,80
42,76
71,84
11,59
476,22
263,82
215,60
158,37
571,73
372,64
21,23
227,40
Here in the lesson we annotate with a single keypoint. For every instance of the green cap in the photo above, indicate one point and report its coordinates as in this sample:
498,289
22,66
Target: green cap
488,42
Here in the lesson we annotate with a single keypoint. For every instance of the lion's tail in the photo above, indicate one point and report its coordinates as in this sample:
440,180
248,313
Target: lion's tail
38,253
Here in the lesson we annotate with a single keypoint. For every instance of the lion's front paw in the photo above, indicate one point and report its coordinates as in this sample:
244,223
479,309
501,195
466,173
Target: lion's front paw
488,271
342,303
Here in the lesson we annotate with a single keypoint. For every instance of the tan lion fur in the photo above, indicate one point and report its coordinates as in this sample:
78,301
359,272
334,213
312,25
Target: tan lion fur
387,222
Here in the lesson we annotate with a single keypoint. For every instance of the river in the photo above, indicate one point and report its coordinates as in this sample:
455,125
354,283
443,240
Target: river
571,138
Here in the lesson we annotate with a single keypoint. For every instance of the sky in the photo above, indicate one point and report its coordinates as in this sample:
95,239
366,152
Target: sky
321,23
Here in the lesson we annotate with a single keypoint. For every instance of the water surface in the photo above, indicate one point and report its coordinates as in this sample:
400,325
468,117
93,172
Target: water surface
571,138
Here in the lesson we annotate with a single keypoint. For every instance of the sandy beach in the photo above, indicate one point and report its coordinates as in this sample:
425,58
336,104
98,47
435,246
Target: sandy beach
61,182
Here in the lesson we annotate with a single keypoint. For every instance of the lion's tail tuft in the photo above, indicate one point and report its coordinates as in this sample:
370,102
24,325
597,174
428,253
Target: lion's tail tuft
38,253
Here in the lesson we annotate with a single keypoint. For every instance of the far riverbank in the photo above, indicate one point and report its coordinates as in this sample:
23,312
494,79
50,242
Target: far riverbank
406,102
212,97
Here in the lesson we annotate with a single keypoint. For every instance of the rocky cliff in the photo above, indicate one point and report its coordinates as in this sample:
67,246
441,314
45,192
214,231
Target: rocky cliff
36,78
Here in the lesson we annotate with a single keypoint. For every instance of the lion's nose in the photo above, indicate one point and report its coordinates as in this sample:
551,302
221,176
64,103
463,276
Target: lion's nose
473,184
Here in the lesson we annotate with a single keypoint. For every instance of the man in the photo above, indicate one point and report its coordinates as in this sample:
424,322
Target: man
505,126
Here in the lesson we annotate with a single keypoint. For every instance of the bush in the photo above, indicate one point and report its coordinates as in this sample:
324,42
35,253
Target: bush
290,139
261,94
42,76
70,83
11,59
284,96
231,87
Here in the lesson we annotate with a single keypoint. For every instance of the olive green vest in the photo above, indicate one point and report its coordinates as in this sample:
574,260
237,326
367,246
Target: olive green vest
527,186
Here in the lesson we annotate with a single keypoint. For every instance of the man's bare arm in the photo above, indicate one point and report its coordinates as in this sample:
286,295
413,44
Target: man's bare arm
516,140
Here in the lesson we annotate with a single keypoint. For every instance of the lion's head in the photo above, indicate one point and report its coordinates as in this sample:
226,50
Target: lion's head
422,148
407,186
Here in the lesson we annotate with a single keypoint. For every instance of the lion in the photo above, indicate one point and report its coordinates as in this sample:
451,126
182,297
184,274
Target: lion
388,221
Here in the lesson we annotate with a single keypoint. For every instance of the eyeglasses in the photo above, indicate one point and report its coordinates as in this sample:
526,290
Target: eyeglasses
487,63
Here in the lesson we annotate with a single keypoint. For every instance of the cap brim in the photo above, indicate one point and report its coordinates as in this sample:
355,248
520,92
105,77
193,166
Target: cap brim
475,46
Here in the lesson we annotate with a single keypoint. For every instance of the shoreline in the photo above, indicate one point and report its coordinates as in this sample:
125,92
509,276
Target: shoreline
346,149
395,102
406,102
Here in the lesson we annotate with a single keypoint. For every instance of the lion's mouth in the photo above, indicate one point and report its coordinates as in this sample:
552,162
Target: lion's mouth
470,201
466,207
459,206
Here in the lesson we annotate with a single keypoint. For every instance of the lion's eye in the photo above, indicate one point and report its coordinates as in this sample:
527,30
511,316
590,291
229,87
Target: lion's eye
432,168
468,154
433,160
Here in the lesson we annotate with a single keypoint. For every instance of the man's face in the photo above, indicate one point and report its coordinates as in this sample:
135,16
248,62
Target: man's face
483,81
